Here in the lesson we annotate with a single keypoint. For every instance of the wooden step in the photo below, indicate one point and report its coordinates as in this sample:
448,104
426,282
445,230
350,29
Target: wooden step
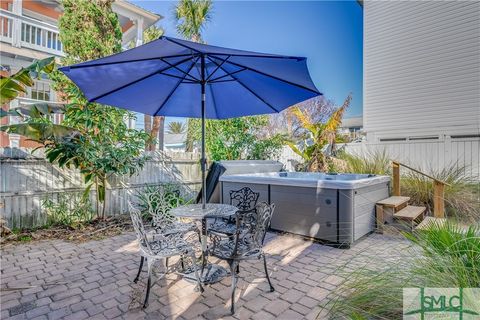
425,224
394,201
409,213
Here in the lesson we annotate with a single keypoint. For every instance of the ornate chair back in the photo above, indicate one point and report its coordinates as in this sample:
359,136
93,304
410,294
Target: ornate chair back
159,205
136,217
244,199
264,213
252,229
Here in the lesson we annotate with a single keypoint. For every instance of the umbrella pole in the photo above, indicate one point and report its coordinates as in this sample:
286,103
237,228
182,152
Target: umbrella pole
204,160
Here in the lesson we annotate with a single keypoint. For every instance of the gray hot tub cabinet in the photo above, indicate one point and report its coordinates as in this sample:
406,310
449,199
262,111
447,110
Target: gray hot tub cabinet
339,216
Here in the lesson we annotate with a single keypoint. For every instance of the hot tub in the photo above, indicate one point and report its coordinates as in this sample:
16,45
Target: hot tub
335,208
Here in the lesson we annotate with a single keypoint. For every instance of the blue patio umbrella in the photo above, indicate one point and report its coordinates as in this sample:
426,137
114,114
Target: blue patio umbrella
178,78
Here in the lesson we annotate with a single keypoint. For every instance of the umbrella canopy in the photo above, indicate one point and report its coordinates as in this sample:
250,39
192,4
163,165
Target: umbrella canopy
162,77
173,77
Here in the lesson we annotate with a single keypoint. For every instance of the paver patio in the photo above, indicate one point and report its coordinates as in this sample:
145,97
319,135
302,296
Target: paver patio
93,280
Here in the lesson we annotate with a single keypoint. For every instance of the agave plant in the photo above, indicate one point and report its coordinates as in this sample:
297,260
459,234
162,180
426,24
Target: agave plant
318,136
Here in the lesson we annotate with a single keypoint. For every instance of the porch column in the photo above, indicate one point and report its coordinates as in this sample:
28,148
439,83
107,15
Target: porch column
139,23
17,24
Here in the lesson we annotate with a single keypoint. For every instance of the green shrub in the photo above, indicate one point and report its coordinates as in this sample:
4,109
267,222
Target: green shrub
368,163
461,197
443,256
68,210
451,255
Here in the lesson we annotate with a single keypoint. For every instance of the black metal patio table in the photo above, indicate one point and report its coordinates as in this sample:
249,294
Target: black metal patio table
211,273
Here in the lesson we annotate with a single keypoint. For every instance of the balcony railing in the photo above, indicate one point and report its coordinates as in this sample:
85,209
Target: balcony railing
21,31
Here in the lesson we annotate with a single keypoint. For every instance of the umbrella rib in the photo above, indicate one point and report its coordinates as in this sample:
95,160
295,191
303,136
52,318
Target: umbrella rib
256,56
226,75
216,69
179,77
249,90
192,78
136,81
175,88
218,81
128,61
273,77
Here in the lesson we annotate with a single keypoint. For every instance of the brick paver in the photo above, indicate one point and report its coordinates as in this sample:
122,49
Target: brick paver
93,280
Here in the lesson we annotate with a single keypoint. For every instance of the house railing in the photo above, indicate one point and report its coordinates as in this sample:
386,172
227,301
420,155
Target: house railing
21,31
438,188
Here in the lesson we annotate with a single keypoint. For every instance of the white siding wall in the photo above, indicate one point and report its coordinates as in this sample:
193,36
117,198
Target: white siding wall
421,68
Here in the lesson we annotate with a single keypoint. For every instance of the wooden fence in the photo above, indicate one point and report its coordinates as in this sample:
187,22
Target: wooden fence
27,181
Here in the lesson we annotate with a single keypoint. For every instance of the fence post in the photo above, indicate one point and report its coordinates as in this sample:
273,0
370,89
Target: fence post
396,178
438,199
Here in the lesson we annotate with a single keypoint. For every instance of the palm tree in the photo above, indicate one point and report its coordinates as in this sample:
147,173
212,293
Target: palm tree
191,17
176,127
317,136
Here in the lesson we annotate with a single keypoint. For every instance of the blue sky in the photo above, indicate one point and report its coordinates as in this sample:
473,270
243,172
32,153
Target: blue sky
328,33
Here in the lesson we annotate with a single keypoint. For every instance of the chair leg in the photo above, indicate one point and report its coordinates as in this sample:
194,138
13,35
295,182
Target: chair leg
266,273
233,266
204,263
139,269
195,268
182,263
149,282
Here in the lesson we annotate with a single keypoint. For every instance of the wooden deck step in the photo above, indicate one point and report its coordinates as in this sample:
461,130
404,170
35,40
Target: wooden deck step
409,213
429,220
394,201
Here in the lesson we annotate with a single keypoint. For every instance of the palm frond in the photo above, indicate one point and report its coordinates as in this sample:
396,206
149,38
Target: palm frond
336,119
304,119
295,149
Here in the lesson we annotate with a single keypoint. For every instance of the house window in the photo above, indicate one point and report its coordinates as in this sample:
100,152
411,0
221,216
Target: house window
40,91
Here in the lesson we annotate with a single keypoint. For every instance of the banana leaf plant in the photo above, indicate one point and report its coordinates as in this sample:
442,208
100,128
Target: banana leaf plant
12,86
34,128
318,135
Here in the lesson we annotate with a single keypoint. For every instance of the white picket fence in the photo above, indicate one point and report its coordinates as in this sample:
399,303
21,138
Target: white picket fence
428,155
26,183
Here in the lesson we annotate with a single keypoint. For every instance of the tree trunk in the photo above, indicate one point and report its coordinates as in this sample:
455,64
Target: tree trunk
161,134
104,198
148,128
97,211
157,132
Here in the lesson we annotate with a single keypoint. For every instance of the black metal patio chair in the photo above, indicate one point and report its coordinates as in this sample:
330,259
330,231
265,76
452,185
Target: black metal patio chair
245,200
158,206
157,246
246,244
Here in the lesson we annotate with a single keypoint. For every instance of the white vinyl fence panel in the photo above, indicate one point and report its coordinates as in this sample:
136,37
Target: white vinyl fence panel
26,183
289,158
428,155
